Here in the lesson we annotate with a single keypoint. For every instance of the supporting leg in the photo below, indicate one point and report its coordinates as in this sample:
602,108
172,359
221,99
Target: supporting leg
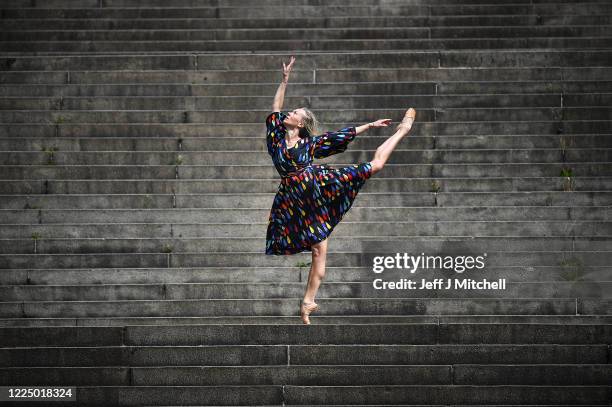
315,276
317,270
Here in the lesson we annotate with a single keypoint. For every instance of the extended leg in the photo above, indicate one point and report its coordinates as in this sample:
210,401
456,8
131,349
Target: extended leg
385,149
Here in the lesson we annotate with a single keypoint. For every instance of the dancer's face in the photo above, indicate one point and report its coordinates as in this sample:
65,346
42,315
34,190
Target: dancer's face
295,118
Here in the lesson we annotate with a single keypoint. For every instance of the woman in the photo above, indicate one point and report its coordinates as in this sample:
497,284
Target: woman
312,198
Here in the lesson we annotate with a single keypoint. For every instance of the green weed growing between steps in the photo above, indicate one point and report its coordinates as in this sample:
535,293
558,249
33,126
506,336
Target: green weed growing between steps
50,151
178,160
572,269
35,237
167,248
569,183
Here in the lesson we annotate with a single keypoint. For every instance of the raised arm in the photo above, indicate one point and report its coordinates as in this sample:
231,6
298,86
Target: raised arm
280,92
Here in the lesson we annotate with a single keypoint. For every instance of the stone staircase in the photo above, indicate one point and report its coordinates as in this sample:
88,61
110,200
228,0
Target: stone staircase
136,189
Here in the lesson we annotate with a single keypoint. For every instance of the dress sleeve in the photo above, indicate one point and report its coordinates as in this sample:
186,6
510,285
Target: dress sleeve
275,129
333,142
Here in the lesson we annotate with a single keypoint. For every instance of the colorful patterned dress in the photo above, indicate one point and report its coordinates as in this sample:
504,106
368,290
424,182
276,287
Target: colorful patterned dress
311,198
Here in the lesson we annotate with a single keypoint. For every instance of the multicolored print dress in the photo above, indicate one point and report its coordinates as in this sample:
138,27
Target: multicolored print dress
311,198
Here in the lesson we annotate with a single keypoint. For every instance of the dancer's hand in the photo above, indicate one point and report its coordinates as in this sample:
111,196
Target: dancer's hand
280,92
287,69
368,126
381,123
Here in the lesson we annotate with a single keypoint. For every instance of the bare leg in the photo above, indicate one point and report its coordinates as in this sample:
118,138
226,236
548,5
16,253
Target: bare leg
315,276
317,270
385,149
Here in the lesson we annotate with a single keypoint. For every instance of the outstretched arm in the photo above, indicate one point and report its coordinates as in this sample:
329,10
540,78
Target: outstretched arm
377,123
280,92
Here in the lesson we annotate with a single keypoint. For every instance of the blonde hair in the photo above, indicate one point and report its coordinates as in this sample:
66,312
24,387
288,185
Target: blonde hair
311,124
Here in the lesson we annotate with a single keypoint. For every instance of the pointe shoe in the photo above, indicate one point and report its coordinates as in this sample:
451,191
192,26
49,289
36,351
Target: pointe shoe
408,119
306,309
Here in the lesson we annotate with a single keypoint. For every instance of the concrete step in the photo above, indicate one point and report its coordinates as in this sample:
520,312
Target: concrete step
331,289
352,116
236,3
461,395
308,60
456,394
541,20
554,158
364,141
169,232
300,355
183,131
221,104
570,270
324,320
366,214
570,262
290,306
312,375
563,265
273,334
20,47
278,395
391,185
263,200
120,10
56,171
337,102
122,93
568,267
263,172
48,243
569,274
281,34
351,77
579,89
